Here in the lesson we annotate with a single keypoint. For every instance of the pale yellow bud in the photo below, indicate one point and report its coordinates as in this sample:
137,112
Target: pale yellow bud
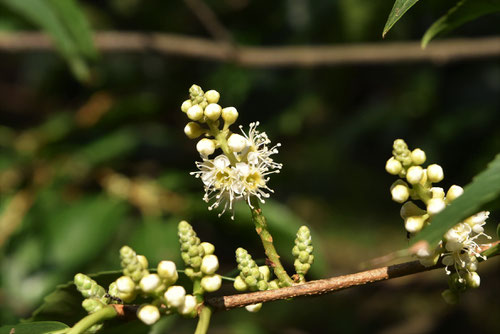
237,143
195,113
418,156
253,307
193,130
148,314
266,273
393,166
437,192
211,283
435,173
143,261
400,193
239,284
209,264
473,280
454,192
414,224
175,295
212,96
414,174
213,111
189,305
125,284
205,147
167,270
229,115
150,283
186,105
435,205
208,248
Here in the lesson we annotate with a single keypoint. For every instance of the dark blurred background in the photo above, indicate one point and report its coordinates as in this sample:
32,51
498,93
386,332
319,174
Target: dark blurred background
86,168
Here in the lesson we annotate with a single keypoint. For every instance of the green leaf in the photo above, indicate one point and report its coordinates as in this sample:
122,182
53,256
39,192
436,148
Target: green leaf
398,10
484,188
498,231
63,21
40,327
463,12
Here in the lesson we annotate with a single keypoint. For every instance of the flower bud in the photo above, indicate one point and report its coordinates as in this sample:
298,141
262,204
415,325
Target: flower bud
414,174
266,273
186,105
435,205
195,113
125,284
205,147
253,307
209,264
229,115
211,283
414,224
237,143
212,96
418,156
435,173
143,261
239,284
454,192
193,130
400,193
410,209
175,295
150,283
148,314
167,270
208,248
472,279
213,111
437,192
451,297
189,305
393,166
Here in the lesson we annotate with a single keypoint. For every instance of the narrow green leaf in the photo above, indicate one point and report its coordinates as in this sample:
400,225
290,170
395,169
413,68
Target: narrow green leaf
48,18
398,10
71,15
483,188
40,327
463,12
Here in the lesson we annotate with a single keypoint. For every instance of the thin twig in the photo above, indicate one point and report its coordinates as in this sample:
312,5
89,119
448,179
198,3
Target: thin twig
323,286
442,51
209,20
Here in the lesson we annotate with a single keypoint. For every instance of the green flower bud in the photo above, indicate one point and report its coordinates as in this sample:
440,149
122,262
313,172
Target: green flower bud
239,284
409,209
189,307
192,252
454,192
229,115
213,111
249,271
209,264
472,279
400,191
393,166
302,251
143,261
193,130
414,174
131,264
195,113
88,287
451,297
208,248
92,305
186,105
167,270
415,224
196,93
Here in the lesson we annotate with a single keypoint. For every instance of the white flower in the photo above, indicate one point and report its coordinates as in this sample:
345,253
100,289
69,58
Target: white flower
242,175
148,314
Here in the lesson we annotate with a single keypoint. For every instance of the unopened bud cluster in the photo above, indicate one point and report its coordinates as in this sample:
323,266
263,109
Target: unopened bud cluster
166,297
252,277
240,170
302,252
458,248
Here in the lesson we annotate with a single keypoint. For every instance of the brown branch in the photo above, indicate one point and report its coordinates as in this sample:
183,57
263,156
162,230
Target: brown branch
323,286
209,20
369,53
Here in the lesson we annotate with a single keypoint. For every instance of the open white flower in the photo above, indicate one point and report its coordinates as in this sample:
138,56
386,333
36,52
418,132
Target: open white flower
241,175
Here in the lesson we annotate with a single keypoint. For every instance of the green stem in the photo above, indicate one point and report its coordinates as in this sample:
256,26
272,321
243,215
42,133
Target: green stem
221,136
81,326
204,320
198,290
267,241
492,251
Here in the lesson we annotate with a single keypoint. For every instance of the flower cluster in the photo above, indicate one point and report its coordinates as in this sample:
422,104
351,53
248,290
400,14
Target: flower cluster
458,249
166,297
241,171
